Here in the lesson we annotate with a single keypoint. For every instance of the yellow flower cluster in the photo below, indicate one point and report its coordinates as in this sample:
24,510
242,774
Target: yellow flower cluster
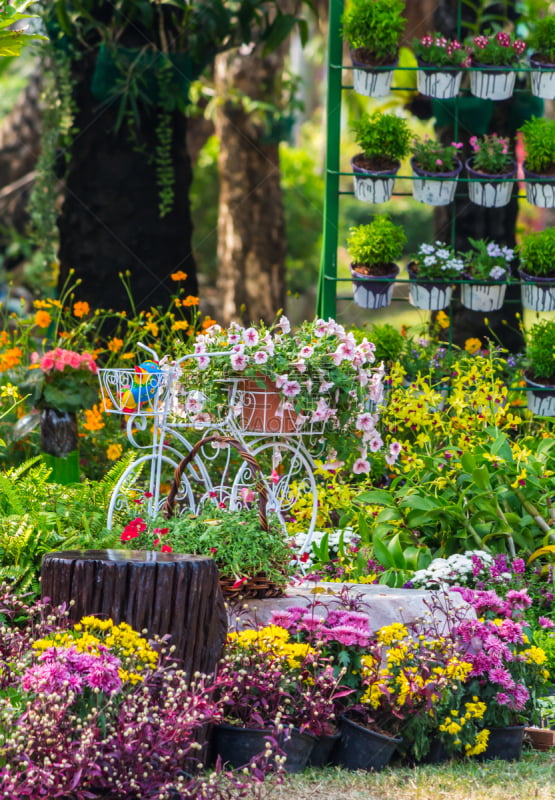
273,641
91,633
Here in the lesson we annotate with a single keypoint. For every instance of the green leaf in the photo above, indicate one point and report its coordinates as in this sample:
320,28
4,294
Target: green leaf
419,502
396,552
378,497
381,552
468,462
480,476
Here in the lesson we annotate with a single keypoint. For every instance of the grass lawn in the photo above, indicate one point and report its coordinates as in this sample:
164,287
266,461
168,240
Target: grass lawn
532,778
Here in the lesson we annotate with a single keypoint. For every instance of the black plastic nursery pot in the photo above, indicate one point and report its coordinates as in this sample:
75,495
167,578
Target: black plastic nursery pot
237,746
361,748
504,744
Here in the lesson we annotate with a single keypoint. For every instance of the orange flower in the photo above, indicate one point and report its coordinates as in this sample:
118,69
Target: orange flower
472,345
115,344
114,452
93,419
42,319
442,319
152,328
180,325
11,358
207,322
81,309
190,300
179,275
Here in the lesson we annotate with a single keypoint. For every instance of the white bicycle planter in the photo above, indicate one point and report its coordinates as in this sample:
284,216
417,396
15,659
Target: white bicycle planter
215,474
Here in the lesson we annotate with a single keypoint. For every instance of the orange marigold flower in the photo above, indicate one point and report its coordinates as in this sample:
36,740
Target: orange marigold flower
4,337
179,275
81,309
11,358
114,451
472,345
207,322
190,300
42,319
93,419
442,319
115,344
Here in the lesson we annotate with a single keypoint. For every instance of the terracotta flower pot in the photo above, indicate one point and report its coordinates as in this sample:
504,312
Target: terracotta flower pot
262,407
541,738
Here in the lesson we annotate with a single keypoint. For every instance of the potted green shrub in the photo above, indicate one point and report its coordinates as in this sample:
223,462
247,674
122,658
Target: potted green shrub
537,270
431,271
384,140
373,30
540,368
495,57
539,165
374,249
436,168
487,270
440,61
492,168
542,60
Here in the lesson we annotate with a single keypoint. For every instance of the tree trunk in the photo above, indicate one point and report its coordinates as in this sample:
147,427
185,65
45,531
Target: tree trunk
110,221
163,593
251,227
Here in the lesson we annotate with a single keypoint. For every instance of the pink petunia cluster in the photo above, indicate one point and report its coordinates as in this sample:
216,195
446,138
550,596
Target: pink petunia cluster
63,669
59,359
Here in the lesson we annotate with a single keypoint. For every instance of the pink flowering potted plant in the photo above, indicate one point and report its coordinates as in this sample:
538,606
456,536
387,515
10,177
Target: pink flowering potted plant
491,171
60,383
440,62
495,59
315,382
436,168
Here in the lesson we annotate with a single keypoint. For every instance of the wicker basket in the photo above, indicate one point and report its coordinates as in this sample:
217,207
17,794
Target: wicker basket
257,585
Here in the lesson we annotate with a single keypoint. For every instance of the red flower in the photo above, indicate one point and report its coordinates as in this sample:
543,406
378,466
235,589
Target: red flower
160,531
133,529
166,548
239,583
213,550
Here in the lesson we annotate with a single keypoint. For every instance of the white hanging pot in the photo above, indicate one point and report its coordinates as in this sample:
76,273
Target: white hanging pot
434,189
540,398
542,79
483,297
428,295
490,191
540,189
372,291
492,83
436,82
539,295
369,81
373,186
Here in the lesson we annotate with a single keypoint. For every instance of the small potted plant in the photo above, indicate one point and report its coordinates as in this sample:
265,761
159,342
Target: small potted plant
492,169
487,268
436,168
384,140
542,60
373,30
374,249
430,271
495,58
440,62
540,368
537,270
539,165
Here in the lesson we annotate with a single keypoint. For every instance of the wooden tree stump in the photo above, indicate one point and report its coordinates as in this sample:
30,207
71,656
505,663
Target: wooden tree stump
164,593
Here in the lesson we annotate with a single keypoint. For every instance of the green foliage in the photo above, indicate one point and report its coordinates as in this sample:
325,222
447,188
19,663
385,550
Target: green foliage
234,539
540,349
375,25
37,517
539,143
537,253
389,342
542,38
383,134
379,242
13,41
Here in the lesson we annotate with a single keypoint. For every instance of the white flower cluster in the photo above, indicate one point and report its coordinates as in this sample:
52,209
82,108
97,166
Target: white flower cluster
441,257
457,570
